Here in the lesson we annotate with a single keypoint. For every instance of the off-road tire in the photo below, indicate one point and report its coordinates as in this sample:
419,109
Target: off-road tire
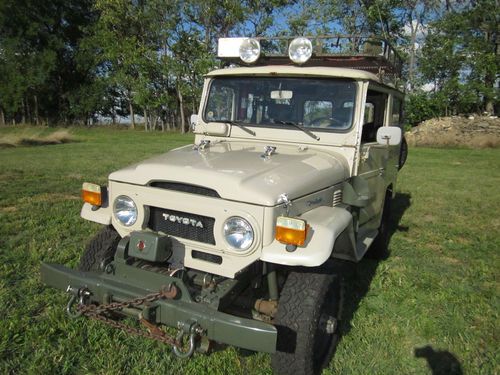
304,347
101,248
403,153
379,249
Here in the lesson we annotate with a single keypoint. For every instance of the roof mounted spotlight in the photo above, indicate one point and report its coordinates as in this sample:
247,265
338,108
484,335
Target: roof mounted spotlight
249,50
300,50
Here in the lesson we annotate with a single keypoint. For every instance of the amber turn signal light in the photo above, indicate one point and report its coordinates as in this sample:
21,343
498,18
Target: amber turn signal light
91,193
291,231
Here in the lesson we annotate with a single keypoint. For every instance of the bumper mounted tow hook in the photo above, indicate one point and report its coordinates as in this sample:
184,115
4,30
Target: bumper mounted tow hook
80,294
192,330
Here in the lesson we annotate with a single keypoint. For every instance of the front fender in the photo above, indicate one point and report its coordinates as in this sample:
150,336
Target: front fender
325,225
102,215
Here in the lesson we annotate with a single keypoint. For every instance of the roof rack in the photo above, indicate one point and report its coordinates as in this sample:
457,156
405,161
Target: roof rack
369,53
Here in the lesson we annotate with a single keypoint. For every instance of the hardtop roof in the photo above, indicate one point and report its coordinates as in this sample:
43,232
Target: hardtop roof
289,70
297,71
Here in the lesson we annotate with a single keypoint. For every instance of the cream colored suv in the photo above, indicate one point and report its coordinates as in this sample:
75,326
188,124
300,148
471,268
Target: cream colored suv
291,174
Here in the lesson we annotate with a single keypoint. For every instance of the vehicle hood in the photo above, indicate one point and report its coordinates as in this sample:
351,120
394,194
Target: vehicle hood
238,171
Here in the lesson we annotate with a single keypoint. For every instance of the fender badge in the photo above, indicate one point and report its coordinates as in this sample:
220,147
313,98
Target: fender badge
313,202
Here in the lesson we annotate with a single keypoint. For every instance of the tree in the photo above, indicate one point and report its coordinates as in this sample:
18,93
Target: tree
460,58
416,14
38,43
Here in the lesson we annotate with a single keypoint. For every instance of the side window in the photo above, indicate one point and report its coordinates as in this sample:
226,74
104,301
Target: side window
396,111
375,107
316,111
369,113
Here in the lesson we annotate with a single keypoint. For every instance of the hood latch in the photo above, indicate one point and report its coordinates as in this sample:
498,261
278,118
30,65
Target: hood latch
268,151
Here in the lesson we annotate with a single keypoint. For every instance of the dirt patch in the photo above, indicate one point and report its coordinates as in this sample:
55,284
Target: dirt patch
435,247
47,197
55,138
451,260
8,209
428,218
473,132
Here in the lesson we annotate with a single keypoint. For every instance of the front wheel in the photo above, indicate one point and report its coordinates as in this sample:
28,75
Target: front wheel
100,249
307,322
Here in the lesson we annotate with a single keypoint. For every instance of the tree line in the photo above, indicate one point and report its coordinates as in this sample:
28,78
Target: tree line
82,61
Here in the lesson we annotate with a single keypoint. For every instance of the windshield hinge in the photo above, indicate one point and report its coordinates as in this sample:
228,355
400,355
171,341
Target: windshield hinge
268,151
202,145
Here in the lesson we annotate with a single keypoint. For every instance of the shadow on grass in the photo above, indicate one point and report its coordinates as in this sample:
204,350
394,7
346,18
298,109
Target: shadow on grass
441,362
360,276
46,142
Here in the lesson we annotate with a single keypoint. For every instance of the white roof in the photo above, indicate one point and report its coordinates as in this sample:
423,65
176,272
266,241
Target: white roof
286,70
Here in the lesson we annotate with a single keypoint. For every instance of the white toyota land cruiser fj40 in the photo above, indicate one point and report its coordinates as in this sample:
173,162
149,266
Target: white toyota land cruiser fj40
237,238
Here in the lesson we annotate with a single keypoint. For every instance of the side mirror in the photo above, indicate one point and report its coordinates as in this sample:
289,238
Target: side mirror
193,121
389,135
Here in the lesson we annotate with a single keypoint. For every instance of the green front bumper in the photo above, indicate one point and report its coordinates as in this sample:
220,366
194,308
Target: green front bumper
128,282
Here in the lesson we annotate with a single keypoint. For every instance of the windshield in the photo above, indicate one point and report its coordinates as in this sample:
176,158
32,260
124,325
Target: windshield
280,101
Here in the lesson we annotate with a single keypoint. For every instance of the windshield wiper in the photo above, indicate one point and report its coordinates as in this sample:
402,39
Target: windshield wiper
239,124
296,125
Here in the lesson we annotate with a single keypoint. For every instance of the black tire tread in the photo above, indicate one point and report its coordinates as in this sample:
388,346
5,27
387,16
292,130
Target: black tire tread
403,153
101,246
298,313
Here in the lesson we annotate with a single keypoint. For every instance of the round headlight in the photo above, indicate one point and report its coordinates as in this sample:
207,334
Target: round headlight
249,50
238,233
125,210
300,50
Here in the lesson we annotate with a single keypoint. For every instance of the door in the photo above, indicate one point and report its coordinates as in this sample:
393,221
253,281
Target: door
373,159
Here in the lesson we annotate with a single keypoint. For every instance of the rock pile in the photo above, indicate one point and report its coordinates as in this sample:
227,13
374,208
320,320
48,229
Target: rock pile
475,132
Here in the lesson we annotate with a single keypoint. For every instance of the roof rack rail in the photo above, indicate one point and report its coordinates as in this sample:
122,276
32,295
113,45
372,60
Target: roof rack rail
369,53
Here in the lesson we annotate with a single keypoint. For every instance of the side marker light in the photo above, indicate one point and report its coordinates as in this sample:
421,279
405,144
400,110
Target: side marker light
291,231
92,193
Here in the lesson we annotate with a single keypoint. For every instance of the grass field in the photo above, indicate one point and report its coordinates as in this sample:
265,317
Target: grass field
433,303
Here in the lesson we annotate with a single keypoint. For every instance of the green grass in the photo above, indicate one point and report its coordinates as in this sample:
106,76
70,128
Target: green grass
439,287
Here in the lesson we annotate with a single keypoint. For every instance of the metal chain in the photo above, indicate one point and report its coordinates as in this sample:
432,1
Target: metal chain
97,312
135,331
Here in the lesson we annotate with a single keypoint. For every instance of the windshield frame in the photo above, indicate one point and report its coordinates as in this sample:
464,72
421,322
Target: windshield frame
283,126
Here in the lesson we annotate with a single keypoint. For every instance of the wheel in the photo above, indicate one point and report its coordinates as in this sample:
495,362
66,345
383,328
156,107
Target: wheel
379,249
101,248
307,322
403,154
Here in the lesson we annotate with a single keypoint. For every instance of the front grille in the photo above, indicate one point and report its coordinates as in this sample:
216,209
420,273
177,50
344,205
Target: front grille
182,224
185,188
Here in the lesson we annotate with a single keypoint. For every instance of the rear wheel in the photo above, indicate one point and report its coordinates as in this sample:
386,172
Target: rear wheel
307,322
99,250
403,153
